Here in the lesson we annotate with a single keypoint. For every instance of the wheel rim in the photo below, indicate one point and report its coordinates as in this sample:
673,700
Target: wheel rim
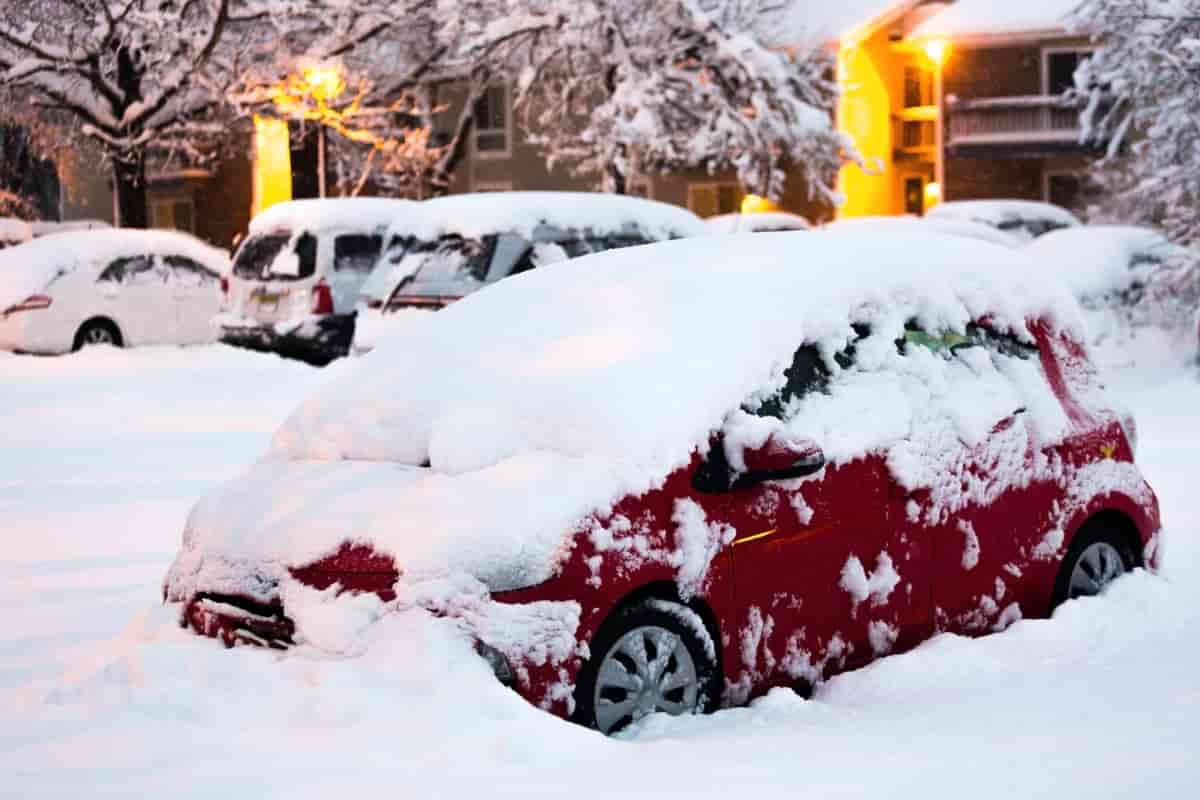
97,335
1098,566
649,669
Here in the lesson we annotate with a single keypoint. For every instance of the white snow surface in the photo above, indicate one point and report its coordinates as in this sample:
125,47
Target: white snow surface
483,213
102,694
761,222
982,17
602,394
360,213
1098,259
29,268
950,226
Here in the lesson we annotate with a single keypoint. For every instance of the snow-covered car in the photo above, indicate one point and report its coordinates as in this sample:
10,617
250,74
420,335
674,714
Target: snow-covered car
764,222
673,477
948,226
14,232
1027,219
459,244
49,228
297,275
120,287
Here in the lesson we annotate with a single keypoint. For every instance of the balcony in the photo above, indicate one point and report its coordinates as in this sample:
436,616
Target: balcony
1028,125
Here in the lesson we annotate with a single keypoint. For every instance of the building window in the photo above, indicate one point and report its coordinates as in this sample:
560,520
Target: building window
1058,69
918,87
491,122
914,196
711,199
174,213
915,134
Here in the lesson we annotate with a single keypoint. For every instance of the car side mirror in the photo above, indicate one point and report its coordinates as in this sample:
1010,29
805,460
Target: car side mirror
780,458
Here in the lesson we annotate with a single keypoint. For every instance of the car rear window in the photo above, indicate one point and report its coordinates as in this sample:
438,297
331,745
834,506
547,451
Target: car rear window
275,257
356,252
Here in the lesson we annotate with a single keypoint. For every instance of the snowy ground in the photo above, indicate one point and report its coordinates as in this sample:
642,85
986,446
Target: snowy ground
102,453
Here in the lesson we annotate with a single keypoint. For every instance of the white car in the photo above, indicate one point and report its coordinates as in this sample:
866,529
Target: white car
1027,219
118,287
296,277
948,226
765,222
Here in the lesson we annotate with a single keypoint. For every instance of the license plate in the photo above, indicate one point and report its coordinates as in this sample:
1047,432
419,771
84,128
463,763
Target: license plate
269,301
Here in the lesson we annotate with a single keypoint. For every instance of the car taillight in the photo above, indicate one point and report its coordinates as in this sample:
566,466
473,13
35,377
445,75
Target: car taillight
31,303
322,298
225,286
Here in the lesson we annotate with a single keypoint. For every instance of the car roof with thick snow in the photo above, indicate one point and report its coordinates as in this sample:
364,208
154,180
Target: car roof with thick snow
483,213
760,222
1097,259
14,230
31,267
1005,214
331,213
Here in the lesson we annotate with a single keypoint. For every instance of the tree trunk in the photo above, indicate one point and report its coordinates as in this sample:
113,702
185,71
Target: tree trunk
131,193
616,184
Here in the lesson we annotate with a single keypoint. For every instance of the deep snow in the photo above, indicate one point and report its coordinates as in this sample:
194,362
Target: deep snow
101,694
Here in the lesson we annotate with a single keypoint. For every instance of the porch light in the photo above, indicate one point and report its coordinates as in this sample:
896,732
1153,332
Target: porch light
936,51
757,204
324,81
933,193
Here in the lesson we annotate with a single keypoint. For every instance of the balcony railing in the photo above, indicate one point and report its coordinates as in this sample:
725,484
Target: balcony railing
1028,120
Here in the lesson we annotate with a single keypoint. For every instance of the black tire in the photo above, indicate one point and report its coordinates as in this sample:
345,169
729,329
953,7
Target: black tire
97,329
1092,534
650,613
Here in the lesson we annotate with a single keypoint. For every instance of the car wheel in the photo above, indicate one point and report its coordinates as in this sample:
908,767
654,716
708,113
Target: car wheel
652,656
97,331
1096,558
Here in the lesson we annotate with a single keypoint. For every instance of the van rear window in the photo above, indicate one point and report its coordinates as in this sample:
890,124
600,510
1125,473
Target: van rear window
274,257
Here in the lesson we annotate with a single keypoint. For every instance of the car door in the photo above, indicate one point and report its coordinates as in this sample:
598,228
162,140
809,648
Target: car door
136,296
354,256
978,500
197,293
823,579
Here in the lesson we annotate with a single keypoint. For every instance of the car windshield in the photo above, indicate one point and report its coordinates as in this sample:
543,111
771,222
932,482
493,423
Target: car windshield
451,258
275,256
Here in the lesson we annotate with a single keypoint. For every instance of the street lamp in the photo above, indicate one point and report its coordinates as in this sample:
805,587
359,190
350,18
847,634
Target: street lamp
324,82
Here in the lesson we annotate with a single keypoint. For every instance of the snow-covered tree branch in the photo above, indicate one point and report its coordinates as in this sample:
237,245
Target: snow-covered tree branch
621,88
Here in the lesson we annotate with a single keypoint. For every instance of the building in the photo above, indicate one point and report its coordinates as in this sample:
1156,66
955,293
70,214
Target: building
962,100
947,99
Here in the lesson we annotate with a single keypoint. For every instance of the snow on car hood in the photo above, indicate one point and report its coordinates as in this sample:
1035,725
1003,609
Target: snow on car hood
551,395
505,525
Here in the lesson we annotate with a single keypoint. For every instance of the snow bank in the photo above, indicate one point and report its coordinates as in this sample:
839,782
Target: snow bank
1099,259
328,213
634,358
31,267
476,215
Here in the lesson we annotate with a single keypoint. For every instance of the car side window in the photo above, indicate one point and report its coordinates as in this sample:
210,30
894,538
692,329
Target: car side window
130,270
948,343
806,374
186,272
356,252
306,255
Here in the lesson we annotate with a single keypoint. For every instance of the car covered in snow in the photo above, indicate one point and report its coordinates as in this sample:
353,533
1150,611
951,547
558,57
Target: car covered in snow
899,224
461,243
762,222
1026,219
120,287
670,478
14,232
297,275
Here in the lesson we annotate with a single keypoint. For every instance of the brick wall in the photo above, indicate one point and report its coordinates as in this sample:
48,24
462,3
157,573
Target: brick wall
993,72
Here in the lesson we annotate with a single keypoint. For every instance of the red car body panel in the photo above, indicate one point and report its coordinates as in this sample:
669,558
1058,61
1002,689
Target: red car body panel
824,574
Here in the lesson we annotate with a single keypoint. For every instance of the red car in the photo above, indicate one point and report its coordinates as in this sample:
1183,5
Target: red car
700,470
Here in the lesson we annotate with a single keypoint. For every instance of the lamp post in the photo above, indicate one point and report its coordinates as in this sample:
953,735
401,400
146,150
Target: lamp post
324,83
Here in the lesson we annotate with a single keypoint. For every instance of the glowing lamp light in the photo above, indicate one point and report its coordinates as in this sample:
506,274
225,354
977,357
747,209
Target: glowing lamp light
324,81
936,50
933,192
757,204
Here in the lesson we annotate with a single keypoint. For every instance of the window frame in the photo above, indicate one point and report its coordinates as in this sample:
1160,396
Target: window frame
477,129
1049,50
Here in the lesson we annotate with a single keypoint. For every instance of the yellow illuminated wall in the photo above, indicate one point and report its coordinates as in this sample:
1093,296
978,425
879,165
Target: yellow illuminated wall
272,164
864,112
